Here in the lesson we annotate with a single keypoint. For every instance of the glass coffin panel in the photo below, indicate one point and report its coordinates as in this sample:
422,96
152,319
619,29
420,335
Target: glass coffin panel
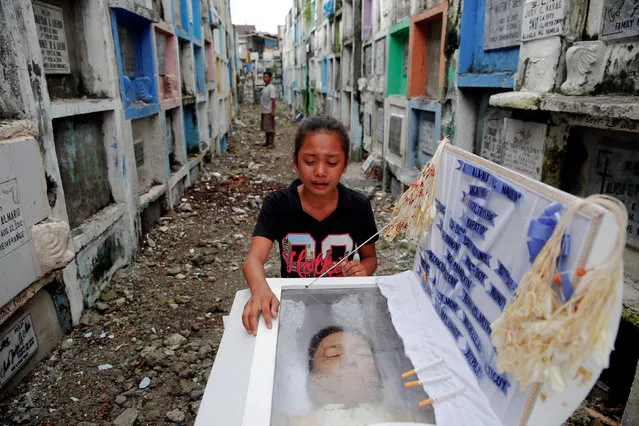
339,361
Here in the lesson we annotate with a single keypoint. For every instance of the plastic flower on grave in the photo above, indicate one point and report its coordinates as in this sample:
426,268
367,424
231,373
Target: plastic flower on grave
542,338
416,210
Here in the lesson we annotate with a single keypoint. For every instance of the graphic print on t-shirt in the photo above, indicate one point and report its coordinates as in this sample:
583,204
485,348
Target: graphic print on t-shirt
299,251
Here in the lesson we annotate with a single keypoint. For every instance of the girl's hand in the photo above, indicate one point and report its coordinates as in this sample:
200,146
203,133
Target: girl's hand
353,268
262,300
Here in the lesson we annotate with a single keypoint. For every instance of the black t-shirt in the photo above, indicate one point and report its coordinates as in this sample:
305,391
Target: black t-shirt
305,242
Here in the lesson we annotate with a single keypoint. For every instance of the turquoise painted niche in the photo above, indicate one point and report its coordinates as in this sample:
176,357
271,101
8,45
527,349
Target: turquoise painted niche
191,130
200,78
397,74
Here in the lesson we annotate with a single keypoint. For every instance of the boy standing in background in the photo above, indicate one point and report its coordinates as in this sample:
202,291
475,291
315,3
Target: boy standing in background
267,105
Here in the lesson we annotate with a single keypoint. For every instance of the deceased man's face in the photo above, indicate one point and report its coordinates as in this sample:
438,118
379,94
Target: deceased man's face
344,371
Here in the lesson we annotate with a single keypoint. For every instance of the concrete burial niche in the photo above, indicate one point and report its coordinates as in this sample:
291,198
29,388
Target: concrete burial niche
183,17
177,13
367,19
337,34
217,43
223,143
150,154
196,19
73,63
299,99
605,162
397,74
162,9
133,38
331,75
213,130
380,65
347,74
325,75
316,74
200,76
424,131
174,137
368,126
383,10
218,73
29,334
221,118
81,151
347,25
191,130
401,9
378,126
426,52
102,254
311,101
166,50
337,74
152,210
187,71
178,185
356,129
489,43
203,126
23,203
367,62
346,109
396,131
332,106
321,104
210,63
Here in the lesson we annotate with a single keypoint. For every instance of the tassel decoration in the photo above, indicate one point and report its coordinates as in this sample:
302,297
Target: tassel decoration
542,339
415,211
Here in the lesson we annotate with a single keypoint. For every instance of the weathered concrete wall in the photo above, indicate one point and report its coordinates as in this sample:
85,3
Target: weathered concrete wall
174,135
84,143
47,328
23,204
187,69
83,165
68,85
621,70
149,152
168,66
99,260
12,104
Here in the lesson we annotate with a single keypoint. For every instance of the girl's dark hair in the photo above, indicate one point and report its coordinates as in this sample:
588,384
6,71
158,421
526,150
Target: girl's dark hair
322,124
324,333
270,74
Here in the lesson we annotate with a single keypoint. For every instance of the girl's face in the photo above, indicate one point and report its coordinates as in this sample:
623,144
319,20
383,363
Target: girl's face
320,162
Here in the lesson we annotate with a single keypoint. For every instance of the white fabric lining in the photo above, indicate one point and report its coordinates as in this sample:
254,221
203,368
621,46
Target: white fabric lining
426,339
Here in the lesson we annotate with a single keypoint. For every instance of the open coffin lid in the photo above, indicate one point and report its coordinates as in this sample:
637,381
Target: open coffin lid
464,273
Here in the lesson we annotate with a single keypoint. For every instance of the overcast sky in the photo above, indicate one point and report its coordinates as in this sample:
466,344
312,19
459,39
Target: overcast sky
266,15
